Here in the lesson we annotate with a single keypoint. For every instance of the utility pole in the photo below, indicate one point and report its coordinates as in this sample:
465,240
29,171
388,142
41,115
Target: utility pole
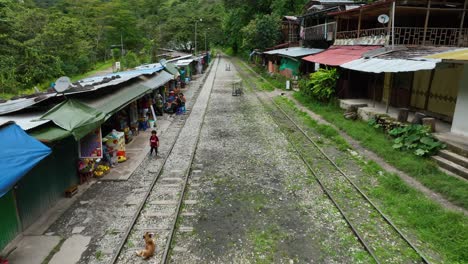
196,22
121,46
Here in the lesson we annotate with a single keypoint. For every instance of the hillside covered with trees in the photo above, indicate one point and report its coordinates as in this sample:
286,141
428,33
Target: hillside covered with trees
43,39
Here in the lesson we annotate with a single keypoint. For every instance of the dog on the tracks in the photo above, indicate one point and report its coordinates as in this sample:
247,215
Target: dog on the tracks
149,248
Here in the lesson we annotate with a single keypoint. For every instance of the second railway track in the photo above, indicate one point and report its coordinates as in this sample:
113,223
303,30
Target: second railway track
159,210
384,242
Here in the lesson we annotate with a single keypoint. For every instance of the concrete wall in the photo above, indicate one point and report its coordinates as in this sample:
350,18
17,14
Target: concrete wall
460,118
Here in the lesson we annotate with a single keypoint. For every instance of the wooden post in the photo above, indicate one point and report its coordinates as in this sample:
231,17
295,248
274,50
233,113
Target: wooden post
359,23
389,98
429,122
389,26
460,34
403,115
426,103
426,22
337,23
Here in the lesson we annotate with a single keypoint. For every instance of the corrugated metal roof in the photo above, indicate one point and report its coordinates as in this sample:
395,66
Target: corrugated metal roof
183,63
98,82
377,65
455,55
26,121
117,100
11,106
294,52
161,79
82,86
337,55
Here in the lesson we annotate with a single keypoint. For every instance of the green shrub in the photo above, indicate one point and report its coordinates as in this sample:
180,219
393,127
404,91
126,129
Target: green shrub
130,60
415,138
321,84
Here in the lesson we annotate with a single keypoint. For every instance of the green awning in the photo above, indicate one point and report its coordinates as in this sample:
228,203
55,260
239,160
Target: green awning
75,117
172,69
112,103
49,133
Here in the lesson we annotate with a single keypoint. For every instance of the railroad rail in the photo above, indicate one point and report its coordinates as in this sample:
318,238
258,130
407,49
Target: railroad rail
173,218
326,190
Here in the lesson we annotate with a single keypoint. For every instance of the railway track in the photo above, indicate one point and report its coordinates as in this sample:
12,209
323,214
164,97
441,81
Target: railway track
159,210
379,236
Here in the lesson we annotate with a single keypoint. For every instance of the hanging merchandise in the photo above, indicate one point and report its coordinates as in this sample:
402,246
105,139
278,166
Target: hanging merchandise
116,141
90,146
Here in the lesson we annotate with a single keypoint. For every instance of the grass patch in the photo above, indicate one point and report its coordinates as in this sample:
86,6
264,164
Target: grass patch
422,169
439,230
99,255
265,243
100,66
325,130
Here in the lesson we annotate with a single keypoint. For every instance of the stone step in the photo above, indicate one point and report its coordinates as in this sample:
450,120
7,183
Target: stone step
454,157
455,143
451,166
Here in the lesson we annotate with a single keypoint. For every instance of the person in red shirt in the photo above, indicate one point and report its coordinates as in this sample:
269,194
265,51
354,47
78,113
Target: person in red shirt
154,142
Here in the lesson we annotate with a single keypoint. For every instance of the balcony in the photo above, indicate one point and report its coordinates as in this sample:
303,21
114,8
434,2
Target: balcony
414,36
320,32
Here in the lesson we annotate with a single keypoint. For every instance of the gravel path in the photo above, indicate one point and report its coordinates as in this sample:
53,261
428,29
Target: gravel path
256,201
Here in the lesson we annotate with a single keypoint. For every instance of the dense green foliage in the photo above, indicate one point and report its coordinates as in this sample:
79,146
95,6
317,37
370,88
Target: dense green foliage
321,84
40,40
44,39
416,138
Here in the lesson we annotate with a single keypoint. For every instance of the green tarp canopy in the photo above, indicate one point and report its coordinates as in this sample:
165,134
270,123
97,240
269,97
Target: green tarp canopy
290,64
172,69
75,117
79,117
49,133
112,103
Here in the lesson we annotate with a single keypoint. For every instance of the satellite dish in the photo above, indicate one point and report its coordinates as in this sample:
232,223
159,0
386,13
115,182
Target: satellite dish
62,84
383,19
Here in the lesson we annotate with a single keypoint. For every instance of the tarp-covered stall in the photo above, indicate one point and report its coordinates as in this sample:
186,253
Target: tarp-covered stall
20,153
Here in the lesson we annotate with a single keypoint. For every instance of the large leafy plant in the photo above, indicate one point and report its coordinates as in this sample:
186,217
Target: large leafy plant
321,84
416,138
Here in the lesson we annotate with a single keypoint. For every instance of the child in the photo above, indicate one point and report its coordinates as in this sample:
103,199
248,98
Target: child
154,142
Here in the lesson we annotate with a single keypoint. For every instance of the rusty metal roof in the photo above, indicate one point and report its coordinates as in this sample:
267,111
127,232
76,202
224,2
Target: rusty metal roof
337,55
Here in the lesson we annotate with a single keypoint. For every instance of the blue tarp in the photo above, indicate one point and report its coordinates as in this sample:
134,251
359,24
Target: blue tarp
19,154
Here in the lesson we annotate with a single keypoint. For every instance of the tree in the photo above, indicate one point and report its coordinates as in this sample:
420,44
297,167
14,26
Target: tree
261,33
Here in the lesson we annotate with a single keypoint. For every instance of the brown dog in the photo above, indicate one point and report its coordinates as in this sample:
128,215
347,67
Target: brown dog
149,248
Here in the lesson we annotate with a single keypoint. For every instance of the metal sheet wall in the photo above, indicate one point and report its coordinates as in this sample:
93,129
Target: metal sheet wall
9,225
46,183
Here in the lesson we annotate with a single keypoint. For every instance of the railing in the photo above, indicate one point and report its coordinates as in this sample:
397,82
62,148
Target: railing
320,32
414,35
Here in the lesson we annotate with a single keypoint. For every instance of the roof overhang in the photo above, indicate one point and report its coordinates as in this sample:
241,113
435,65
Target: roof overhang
377,65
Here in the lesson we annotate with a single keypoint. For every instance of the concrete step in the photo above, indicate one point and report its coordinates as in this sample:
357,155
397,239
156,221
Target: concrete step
455,143
454,157
451,166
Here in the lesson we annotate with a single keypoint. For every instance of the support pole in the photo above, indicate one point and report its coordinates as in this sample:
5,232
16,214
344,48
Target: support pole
426,22
389,98
393,27
426,103
460,31
359,23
